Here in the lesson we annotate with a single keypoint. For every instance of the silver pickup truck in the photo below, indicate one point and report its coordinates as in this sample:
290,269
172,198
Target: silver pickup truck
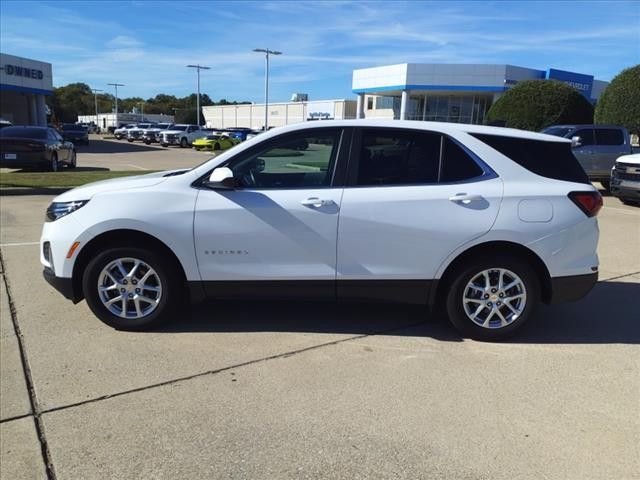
596,147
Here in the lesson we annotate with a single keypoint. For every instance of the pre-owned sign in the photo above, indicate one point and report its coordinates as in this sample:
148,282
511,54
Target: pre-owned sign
19,71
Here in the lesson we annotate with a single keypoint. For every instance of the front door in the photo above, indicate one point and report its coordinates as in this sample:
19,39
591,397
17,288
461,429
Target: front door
275,234
405,209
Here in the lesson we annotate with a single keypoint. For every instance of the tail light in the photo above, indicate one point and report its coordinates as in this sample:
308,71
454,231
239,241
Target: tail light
589,202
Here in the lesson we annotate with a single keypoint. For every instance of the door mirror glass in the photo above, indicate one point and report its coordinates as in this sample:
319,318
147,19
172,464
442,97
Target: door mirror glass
222,177
576,142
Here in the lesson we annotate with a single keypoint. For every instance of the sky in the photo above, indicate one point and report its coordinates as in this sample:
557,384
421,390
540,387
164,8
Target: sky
147,44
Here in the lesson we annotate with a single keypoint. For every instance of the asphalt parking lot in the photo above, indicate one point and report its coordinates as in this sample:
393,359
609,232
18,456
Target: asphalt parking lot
305,390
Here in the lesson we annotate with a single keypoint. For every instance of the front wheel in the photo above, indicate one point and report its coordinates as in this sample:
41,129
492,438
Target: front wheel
184,143
606,184
73,160
492,298
131,289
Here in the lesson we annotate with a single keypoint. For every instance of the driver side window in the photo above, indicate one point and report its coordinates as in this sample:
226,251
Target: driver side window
302,159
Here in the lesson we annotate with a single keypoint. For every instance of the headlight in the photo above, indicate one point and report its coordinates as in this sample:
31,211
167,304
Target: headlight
59,209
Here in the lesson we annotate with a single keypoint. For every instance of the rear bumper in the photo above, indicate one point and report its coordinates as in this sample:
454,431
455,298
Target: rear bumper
62,285
570,289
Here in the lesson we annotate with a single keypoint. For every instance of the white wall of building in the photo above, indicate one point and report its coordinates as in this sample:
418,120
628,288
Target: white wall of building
106,120
280,114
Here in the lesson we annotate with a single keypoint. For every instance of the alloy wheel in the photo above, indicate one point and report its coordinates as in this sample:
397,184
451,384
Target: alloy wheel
129,288
494,298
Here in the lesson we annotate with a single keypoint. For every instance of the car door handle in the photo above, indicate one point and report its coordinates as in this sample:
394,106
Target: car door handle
316,202
465,198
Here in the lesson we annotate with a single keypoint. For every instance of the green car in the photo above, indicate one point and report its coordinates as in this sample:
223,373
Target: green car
215,142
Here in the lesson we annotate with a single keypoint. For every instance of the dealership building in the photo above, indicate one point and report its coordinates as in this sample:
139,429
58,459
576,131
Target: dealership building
459,93
24,85
284,113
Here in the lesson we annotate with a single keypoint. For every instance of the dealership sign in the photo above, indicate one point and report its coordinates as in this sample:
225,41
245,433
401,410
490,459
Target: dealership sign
582,83
19,71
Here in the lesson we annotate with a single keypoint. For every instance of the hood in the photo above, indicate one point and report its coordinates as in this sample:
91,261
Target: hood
87,191
633,159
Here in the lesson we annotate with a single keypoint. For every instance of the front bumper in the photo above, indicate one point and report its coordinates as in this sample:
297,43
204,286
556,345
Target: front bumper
570,289
62,285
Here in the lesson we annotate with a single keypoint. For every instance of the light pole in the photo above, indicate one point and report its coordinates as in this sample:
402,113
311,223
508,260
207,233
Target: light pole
95,99
142,108
117,85
266,52
198,68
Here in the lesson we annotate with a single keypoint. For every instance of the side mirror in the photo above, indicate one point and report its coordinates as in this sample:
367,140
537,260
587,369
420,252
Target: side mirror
576,142
222,177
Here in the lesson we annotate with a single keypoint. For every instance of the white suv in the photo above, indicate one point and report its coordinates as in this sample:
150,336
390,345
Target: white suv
484,221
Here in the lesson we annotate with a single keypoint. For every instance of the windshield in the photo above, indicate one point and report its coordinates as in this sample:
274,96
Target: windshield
145,125
557,131
71,126
21,132
212,137
182,128
163,126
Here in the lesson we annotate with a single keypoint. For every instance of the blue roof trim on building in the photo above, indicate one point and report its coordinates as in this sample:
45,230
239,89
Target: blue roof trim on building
16,88
472,88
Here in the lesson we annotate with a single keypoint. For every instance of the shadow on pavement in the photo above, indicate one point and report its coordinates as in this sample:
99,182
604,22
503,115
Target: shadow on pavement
115,146
609,314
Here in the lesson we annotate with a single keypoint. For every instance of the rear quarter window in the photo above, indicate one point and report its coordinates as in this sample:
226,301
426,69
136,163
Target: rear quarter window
547,159
609,136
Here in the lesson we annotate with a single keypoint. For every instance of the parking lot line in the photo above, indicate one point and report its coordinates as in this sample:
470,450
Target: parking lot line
18,244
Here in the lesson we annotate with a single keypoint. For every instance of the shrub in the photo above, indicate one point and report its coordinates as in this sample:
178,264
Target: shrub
619,104
536,104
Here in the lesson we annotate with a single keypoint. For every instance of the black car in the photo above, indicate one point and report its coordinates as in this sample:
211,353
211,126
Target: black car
35,147
75,133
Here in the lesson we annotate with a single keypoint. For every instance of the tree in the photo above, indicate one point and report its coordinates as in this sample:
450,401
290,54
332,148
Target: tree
72,100
536,104
619,104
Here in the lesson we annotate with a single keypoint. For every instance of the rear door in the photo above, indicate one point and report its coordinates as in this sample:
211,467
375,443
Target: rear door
412,198
610,144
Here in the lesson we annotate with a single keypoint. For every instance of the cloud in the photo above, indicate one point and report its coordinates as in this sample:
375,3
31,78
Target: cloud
123,42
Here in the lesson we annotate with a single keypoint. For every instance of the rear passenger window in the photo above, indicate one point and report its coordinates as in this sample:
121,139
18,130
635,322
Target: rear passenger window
586,136
457,165
395,157
609,136
548,159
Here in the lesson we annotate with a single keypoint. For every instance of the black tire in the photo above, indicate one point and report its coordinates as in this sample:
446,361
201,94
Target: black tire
456,291
606,184
169,280
165,145
216,146
74,160
54,165
147,142
184,143
130,140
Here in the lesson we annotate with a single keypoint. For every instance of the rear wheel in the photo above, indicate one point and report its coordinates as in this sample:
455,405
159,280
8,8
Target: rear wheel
492,298
54,165
131,289
606,184
216,146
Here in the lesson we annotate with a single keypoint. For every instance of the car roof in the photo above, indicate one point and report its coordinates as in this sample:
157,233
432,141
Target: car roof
440,127
584,125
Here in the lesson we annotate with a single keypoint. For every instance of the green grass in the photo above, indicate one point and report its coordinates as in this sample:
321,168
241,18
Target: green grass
59,179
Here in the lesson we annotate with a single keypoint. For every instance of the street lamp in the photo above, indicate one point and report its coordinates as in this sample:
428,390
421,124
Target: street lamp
95,99
198,68
142,108
117,85
266,52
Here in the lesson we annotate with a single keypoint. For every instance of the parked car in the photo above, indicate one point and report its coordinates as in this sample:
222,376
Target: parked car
181,134
75,133
486,221
216,141
35,147
238,132
136,132
596,147
625,178
151,135
121,132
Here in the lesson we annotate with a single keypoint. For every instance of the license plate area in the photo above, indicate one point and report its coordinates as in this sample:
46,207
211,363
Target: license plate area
10,156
